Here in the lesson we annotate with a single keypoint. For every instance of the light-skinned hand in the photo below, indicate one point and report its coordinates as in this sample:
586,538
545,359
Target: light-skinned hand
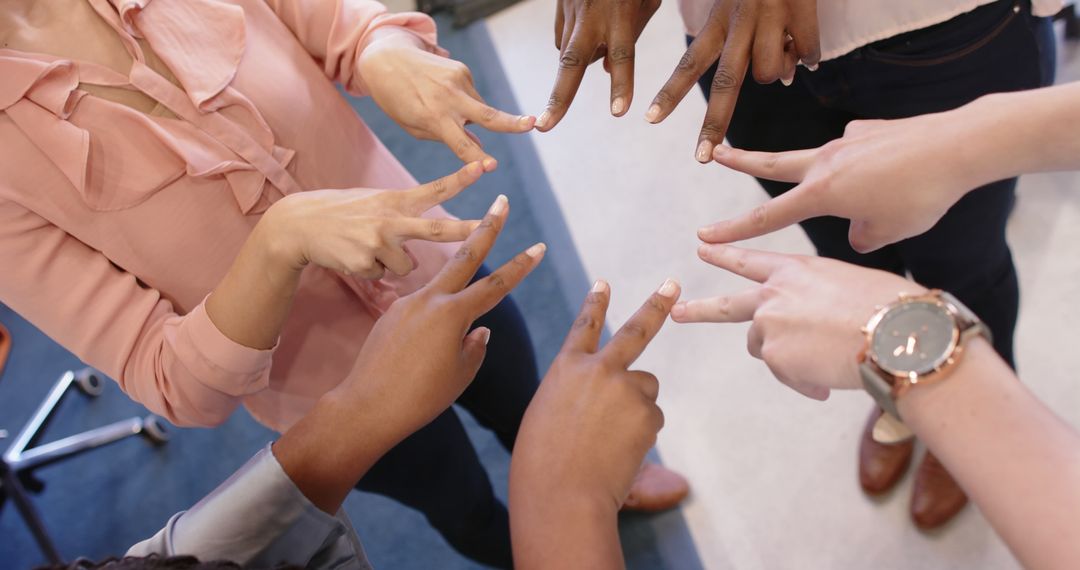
589,30
892,179
775,34
806,313
433,97
362,231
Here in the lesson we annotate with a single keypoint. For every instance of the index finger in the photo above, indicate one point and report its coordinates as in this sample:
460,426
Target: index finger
426,196
790,166
724,91
575,57
584,336
457,272
787,209
483,295
697,58
632,338
749,263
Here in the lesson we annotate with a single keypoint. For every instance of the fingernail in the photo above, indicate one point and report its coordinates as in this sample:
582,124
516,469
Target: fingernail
704,231
703,250
499,205
536,250
812,67
668,289
600,286
719,150
485,335
474,168
678,310
653,113
787,81
526,121
543,120
618,106
703,151
490,164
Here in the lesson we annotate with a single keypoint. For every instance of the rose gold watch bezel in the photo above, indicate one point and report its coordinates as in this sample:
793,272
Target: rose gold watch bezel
902,383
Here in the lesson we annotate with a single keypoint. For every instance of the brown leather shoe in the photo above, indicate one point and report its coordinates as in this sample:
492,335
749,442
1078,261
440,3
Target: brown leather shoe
936,498
881,465
656,488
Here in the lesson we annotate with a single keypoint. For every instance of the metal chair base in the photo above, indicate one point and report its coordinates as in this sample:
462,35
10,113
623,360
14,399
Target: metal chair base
22,457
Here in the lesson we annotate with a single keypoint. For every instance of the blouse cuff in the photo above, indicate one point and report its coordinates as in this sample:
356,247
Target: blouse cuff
223,363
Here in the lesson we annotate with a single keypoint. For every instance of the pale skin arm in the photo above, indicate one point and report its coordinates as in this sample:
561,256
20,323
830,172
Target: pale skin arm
1018,461
896,179
361,233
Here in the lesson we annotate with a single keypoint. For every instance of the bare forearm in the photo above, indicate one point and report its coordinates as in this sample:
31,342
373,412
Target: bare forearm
550,530
252,301
331,448
1016,459
1023,132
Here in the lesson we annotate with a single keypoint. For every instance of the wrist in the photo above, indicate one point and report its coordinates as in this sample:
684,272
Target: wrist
275,244
984,155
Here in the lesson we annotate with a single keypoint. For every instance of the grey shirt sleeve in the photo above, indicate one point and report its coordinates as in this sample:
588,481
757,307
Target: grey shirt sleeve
259,518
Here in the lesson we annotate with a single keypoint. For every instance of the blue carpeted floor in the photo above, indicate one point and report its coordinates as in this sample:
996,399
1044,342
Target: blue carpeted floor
97,504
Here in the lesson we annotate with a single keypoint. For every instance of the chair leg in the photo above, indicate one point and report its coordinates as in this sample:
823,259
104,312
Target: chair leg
14,489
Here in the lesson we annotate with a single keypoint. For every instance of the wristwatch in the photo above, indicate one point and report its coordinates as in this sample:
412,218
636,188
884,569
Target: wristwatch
913,341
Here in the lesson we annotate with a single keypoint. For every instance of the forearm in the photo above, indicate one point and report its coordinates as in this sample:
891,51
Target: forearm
1010,134
252,301
550,529
1016,459
332,447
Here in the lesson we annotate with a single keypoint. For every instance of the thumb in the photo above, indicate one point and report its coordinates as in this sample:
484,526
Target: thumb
474,349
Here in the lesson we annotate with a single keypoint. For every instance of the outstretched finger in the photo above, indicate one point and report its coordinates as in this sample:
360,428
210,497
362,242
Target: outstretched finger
584,336
724,91
483,295
461,142
426,196
493,119
434,229
697,58
459,270
632,338
749,263
789,208
620,61
737,308
576,55
788,166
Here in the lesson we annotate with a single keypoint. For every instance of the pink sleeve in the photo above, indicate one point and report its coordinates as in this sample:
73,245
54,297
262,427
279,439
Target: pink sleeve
180,367
336,32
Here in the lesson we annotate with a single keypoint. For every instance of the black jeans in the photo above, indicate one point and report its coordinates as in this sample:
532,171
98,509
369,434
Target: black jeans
998,47
437,471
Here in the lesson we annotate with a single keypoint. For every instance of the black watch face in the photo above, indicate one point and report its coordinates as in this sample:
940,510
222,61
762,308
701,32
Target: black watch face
914,337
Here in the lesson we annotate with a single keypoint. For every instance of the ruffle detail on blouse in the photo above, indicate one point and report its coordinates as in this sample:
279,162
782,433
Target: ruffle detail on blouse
177,30
100,156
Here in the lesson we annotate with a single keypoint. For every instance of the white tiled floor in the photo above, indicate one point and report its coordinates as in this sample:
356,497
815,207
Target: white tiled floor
773,473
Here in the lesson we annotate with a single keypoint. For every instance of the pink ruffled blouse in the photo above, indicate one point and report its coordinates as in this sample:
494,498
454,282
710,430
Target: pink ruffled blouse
115,225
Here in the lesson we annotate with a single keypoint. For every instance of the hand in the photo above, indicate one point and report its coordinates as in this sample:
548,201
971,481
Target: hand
892,179
592,421
807,313
588,30
363,232
776,34
433,97
414,364
421,356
